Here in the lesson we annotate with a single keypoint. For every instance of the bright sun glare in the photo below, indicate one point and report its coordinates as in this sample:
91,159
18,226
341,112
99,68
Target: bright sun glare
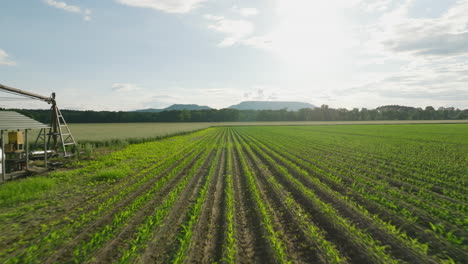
309,35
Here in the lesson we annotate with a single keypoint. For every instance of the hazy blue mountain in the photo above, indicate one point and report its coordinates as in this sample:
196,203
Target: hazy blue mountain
271,105
149,110
187,107
177,107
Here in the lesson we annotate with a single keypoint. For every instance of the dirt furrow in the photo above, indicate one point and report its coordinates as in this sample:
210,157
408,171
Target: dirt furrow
373,160
396,248
412,229
159,249
66,251
353,252
57,216
252,245
108,253
299,247
78,204
208,234
424,218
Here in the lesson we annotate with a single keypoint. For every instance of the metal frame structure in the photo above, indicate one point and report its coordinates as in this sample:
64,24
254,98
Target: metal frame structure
13,122
59,134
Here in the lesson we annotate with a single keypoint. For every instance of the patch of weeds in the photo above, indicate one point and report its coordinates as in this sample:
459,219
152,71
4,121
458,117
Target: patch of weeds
15,192
61,175
108,175
88,150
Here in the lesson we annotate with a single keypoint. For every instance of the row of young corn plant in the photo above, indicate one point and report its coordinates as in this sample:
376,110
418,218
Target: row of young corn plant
374,249
414,146
273,235
400,168
362,242
408,182
367,184
383,200
289,158
397,233
83,251
229,244
154,220
437,241
53,239
403,167
308,145
373,190
185,237
397,203
327,251
133,157
72,220
341,203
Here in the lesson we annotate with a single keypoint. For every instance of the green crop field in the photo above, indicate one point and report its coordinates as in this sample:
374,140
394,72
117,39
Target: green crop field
103,131
108,131
264,194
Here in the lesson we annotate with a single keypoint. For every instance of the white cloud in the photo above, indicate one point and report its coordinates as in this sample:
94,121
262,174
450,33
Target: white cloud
245,11
432,53
168,6
397,33
263,93
418,60
87,15
70,8
261,42
64,6
235,30
248,11
440,81
125,87
378,6
213,96
5,59
212,17
260,95
371,6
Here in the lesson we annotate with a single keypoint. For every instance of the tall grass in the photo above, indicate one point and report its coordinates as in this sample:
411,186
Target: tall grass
123,142
23,190
28,189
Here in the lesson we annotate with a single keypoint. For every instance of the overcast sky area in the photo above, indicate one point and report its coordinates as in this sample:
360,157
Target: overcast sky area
136,54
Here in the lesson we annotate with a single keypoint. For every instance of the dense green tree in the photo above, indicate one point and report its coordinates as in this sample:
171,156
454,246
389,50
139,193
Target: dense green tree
323,113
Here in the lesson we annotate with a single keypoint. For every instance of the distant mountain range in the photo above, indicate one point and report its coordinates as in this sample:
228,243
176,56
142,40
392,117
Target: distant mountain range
271,105
177,107
246,105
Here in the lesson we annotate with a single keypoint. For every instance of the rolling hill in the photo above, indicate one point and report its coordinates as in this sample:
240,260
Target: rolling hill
177,107
271,105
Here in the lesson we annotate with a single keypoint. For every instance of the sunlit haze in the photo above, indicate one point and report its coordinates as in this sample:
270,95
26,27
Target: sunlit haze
136,54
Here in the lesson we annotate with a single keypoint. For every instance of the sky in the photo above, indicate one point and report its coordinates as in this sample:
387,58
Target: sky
136,54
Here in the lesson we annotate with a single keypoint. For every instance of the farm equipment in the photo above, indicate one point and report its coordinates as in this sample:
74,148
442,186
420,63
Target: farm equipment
58,136
53,139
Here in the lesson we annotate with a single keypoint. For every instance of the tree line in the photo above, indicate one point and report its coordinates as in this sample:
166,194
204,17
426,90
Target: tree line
323,113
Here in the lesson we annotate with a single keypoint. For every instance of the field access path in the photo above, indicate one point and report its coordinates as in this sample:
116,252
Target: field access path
322,194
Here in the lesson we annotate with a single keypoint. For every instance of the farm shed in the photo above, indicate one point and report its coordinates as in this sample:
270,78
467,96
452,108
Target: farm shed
14,154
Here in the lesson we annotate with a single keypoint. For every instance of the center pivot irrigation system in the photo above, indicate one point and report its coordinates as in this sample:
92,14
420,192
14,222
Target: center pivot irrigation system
58,136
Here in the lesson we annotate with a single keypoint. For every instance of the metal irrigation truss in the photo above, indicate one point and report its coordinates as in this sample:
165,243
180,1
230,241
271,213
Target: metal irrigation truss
58,136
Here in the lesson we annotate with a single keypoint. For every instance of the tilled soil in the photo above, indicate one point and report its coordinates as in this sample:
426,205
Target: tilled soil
275,201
